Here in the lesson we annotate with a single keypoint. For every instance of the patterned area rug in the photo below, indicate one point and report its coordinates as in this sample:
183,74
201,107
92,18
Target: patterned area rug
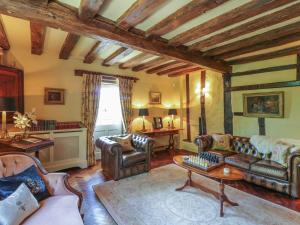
151,199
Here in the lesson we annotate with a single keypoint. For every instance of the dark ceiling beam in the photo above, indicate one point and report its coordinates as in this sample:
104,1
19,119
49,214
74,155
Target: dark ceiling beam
176,69
288,30
236,15
154,62
260,46
266,56
165,66
188,12
185,71
135,60
4,43
252,26
138,12
58,15
91,56
38,33
116,56
68,45
88,9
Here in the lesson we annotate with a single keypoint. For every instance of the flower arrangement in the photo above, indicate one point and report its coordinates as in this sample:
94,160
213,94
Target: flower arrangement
24,121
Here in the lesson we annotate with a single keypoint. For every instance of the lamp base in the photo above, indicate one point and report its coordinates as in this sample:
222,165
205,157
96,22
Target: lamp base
4,135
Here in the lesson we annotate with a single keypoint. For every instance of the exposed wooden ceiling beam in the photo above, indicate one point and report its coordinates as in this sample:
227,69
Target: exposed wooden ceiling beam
165,66
94,51
183,72
270,55
65,18
176,69
38,33
260,46
89,8
116,56
4,43
267,36
135,60
260,23
236,15
138,12
188,12
68,45
154,62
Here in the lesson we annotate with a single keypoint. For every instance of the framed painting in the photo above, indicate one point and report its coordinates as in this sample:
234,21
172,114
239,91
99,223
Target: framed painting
157,123
154,97
54,96
269,104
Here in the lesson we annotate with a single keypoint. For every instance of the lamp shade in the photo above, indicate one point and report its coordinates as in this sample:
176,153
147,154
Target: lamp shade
143,112
172,112
7,104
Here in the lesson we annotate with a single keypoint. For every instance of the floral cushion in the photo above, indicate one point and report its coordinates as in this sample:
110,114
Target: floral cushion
31,178
18,206
221,141
125,142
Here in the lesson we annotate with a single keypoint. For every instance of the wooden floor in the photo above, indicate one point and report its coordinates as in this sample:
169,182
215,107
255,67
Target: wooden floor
95,213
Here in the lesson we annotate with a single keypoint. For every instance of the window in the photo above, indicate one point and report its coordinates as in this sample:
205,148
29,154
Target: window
110,112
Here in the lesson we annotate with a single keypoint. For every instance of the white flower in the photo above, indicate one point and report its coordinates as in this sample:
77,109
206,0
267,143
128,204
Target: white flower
24,121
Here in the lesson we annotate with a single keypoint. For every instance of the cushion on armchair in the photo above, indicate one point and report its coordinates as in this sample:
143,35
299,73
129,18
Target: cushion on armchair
31,178
125,142
133,157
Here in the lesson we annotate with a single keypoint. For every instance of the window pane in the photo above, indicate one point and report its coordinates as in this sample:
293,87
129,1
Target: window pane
110,107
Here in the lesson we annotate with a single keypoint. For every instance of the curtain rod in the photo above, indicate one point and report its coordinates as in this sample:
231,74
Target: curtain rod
81,72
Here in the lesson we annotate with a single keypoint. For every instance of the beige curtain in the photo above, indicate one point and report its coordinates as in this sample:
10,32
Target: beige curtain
126,86
89,112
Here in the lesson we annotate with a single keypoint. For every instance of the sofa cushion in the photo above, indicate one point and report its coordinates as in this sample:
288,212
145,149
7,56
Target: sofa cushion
31,178
221,153
58,210
269,168
133,157
241,160
221,141
125,142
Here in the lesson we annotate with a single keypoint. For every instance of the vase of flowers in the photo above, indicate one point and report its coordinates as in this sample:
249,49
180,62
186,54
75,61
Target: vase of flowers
25,121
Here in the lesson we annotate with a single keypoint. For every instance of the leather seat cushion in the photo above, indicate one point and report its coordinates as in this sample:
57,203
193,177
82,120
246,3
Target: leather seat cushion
221,153
133,157
269,168
241,160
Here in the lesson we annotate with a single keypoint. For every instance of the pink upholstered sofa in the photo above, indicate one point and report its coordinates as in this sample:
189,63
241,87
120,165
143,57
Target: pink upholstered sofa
62,208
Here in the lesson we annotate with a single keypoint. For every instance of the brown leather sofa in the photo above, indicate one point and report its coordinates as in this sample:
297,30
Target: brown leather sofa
118,164
258,167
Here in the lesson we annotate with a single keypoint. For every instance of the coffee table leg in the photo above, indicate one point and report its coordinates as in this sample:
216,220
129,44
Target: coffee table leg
223,198
188,182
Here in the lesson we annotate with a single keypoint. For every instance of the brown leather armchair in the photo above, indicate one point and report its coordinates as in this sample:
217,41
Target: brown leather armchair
259,168
118,164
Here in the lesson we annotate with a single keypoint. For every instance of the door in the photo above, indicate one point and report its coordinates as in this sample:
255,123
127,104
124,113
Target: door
109,120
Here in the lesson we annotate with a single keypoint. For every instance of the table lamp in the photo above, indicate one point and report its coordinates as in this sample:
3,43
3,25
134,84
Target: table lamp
172,112
143,112
7,104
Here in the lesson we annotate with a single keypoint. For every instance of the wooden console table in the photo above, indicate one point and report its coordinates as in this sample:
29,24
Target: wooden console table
25,146
163,132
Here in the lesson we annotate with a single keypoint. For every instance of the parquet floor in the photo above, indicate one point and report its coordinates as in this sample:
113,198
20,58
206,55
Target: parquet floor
95,213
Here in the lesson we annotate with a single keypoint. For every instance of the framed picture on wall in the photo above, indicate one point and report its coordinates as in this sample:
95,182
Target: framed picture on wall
54,96
269,104
154,97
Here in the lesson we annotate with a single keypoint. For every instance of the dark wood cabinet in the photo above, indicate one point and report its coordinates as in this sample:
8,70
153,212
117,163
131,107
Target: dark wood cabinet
12,85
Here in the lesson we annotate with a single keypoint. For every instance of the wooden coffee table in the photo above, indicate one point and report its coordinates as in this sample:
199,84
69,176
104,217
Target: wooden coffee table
218,174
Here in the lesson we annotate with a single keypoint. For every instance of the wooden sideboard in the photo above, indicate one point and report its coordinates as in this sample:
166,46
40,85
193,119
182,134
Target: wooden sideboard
69,149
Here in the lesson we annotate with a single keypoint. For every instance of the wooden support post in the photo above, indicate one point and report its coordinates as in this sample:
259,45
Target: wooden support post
262,126
188,122
228,123
202,102
298,67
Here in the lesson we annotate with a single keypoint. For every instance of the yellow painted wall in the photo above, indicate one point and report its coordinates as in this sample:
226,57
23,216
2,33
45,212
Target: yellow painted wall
214,105
278,127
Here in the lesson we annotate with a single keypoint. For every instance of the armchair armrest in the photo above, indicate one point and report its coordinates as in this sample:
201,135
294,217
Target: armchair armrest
59,185
204,142
294,173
